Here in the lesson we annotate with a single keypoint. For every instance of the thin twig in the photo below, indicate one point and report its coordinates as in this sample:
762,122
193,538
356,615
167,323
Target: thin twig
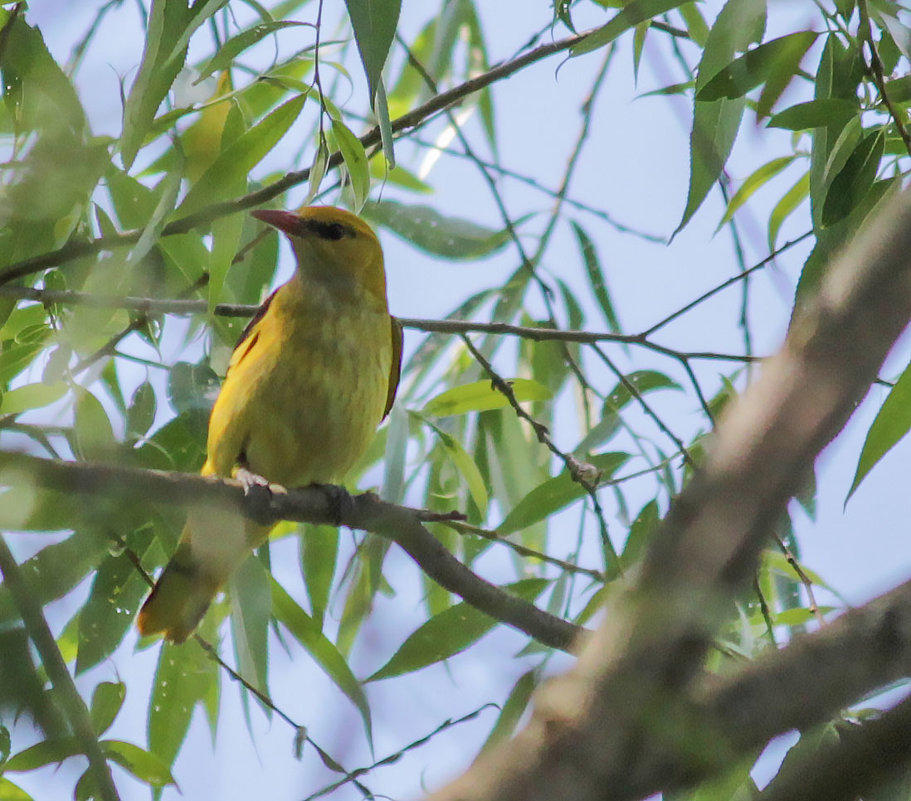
635,393
76,249
765,611
812,606
583,474
212,652
391,758
535,184
725,284
865,31
522,550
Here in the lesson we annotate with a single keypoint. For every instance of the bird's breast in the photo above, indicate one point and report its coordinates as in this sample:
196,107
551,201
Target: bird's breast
310,391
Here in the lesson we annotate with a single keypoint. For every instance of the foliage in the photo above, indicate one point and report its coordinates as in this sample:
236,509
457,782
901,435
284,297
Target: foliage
226,102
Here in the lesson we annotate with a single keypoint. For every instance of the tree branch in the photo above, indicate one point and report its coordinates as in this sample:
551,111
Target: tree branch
313,504
865,756
78,249
656,632
73,706
533,333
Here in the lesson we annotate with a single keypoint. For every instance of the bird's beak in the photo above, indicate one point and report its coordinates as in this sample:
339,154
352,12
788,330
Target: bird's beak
283,220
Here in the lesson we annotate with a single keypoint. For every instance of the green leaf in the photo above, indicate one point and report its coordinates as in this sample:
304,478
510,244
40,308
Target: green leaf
640,533
427,229
231,167
643,381
790,200
251,609
384,122
134,202
891,423
43,753
695,23
167,190
94,436
31,396
716,123
5,744
852,183
106,702
841,150
899,89
317,170
57,568
632,14
670,89
192,388
319,556
480,396
395,453
715,127
362,589
834,111
758,178
757,66
466,467
596,276
555,494
513,709
226,234
776,561
171,24
738,25
308,633
12,792
37,92
237,44
887,15
450,632
185,677
355,158
144,765
141,413
374,23
801,617
106,616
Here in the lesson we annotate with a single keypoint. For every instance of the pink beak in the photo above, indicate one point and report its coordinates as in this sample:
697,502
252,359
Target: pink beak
283,220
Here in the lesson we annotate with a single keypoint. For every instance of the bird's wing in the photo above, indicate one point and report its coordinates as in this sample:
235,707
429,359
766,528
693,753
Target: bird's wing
248,335
395,369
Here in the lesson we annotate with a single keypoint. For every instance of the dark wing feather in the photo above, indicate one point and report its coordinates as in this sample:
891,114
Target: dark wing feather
250,334
260,313
395,370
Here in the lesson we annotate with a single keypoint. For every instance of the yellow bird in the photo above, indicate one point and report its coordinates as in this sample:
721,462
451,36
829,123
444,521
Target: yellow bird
313,374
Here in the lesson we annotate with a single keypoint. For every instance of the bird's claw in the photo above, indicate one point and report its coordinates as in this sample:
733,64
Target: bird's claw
258,493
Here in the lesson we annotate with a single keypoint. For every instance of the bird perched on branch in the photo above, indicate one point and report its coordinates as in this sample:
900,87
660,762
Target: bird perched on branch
313,374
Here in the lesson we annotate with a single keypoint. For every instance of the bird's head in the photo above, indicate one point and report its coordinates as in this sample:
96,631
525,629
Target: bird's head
333,246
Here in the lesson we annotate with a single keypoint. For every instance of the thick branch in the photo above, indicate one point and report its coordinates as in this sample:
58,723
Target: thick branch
815,676
593,731
312,504
864,757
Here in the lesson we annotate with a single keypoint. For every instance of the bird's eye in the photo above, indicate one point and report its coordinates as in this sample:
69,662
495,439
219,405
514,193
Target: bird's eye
334,231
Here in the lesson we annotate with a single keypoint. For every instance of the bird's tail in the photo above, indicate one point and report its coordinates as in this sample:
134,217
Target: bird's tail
179,599
214,543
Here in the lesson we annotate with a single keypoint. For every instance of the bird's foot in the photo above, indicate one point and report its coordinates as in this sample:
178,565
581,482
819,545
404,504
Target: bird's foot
259,494
340,501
